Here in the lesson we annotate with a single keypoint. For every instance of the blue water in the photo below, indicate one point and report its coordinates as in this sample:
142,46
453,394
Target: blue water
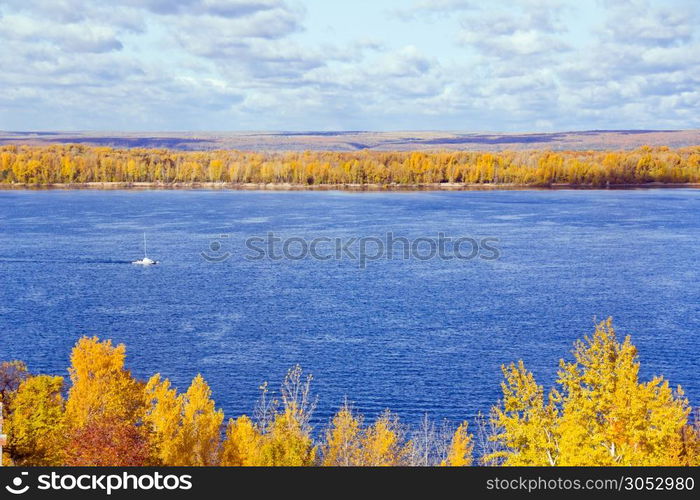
413,336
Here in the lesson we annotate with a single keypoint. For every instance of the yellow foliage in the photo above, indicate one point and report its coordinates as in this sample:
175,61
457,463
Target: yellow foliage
36,433
242,444
461,448
101,387
343,439
185,428
163,418
78,163
201,423
286,443
601,415
609,417
526,422
381,443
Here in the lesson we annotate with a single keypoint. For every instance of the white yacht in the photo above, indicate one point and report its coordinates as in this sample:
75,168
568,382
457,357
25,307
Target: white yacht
145,261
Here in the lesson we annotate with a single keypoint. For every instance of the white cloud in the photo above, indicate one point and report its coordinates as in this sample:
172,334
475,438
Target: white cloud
71,37
256,64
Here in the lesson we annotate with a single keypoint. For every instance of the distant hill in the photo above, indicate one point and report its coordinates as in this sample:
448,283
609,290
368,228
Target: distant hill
358,140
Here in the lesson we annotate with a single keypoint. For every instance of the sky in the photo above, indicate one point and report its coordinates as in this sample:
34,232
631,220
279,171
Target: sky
321,65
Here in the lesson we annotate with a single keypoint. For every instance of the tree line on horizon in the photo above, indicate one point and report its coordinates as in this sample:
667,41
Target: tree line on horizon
79,164
599,413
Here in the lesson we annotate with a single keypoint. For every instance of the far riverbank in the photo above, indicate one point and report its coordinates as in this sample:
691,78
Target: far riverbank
445,186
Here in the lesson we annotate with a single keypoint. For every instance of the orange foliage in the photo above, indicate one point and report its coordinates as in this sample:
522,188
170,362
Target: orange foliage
75,163
108,442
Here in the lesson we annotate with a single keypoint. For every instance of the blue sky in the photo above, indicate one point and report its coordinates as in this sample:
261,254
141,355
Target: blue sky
177,65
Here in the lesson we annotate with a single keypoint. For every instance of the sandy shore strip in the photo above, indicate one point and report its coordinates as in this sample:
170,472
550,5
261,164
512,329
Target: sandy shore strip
444,186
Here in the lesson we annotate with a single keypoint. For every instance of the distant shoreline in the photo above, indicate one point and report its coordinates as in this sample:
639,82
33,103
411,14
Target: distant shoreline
356,141
228,186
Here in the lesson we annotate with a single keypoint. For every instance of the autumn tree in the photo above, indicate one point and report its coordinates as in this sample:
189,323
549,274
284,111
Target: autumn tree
382,443
608,416
36,428
12,373
286,426
101,386
343,439
108,441
526,421
430,443
461,448
688,449
601,414
242,445
286,442
281,435
72,163
185,428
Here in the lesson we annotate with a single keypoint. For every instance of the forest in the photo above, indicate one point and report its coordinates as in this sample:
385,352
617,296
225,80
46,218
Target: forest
599,413
81,164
